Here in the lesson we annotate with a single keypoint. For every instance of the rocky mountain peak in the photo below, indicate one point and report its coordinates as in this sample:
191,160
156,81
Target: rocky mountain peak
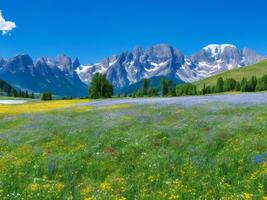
76,64
63,61
159,53
23,59
137,51
224,56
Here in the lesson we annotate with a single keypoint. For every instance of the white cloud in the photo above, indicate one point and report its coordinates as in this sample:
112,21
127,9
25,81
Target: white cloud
6,26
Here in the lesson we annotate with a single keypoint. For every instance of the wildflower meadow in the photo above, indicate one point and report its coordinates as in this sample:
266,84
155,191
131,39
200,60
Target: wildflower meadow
62,150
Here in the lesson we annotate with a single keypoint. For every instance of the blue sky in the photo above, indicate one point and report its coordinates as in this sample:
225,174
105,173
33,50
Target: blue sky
94,29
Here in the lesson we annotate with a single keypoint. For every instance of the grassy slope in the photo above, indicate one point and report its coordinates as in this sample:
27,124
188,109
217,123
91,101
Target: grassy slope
257,70
132,152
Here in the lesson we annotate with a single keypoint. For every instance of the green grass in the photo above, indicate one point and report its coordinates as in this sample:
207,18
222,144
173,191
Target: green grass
257,70
135,152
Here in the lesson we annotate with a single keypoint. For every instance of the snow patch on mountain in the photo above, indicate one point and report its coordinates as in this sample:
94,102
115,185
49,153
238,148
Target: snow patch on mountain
216,49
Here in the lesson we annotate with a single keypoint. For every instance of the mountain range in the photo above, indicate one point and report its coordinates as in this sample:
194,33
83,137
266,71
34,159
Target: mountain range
65,77
163,60
44,74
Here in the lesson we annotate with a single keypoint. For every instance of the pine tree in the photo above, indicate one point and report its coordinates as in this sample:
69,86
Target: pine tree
46,96
208,90
252,84
152,92
213,89
262,83
100,87
26,94
244,85
237,86
229,84
32,96
145,86
172,92
164,86
220,85
204,89
186,89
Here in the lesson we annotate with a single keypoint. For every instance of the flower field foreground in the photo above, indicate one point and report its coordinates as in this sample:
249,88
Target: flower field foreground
38,106
58,150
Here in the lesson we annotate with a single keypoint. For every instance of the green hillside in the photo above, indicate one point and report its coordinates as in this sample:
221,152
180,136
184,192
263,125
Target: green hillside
9,92
6,89
257,70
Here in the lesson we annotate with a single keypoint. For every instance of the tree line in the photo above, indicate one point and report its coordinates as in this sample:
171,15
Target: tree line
222,85
46,96
167,88
8,90
230,85
100,87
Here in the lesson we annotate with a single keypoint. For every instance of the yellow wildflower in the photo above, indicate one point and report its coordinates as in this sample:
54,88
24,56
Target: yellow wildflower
89,198
247,196
104,186
46,186
59,186
151,178
87,189
35,107
34,186
173,197
121,198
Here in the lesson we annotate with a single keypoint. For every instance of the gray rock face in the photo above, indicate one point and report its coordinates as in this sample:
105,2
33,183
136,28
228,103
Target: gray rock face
117,74
43,75
63,61
250,57
162,52
131,67
164,60
22,63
